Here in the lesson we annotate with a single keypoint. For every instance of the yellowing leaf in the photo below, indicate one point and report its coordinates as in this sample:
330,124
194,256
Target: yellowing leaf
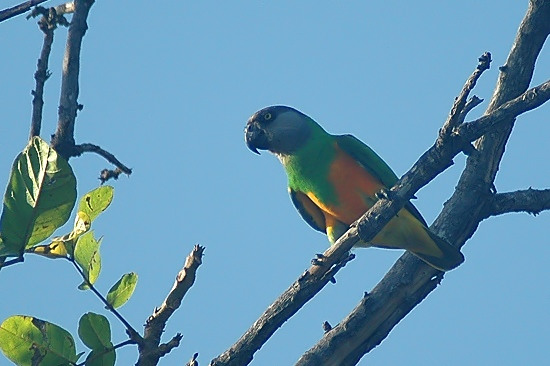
56,249
82,224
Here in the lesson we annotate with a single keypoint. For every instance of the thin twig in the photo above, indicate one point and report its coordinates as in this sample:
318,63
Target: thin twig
150,351
460,102
63,139
532,201
473,102
470,104
49,20
18,9
106,350
193,361
529,100
135,337
165,348
4,263
86,147
107,174
42,73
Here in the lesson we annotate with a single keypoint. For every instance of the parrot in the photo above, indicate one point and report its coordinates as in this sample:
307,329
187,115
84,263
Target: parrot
334,179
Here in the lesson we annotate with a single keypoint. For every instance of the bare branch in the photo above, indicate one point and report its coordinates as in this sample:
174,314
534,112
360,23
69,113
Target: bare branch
5,263
165,348
527,101
530,200
300,292
429,165
150,351
193,361
47,24
409,281
471,104
18,9
65,8
460,102
86,147
107,174
63,139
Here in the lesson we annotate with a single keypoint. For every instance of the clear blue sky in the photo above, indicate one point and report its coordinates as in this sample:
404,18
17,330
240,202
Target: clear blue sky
168,86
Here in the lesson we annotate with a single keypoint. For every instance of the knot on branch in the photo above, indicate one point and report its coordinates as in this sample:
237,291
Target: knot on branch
327,327
530,95
50,18
484,62
107,174
193,361
41,75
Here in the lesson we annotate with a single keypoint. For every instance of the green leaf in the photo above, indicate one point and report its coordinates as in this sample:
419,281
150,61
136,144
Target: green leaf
122,290
63,246
96,201
86,255
39,198
95,331
105,357
30,341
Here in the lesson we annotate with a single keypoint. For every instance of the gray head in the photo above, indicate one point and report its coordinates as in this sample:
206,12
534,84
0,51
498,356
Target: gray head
279,129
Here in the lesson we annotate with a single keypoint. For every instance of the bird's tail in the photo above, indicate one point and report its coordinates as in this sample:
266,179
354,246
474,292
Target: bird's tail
445,258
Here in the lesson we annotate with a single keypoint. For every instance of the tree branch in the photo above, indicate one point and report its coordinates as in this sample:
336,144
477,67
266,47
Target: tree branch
409,281
193,361
5,263
471,104
63,139
459,105
18,9
150,351
421,279
532,201
529,100
47,24
105,174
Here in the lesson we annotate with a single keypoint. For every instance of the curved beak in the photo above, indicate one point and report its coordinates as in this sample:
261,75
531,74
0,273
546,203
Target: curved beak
255,137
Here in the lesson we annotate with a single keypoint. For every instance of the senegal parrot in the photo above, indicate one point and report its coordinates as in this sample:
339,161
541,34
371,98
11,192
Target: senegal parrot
333,180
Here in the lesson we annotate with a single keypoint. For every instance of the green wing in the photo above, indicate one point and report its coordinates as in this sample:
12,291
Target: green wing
309,211
367,158
374,164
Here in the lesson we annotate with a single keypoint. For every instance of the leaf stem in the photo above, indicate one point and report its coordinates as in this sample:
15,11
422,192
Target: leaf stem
135,337
119,345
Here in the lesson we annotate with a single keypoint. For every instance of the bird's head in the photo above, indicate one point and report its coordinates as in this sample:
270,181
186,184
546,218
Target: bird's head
279,129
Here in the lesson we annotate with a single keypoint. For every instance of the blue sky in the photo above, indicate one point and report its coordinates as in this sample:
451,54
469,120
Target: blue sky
168,88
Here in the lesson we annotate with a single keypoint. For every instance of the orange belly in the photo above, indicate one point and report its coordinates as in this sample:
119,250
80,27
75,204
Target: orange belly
354,187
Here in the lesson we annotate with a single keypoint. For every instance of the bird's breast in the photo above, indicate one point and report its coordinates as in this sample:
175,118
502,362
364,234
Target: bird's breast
353,186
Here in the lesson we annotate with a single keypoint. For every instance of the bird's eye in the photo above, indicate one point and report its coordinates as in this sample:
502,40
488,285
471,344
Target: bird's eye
267,116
